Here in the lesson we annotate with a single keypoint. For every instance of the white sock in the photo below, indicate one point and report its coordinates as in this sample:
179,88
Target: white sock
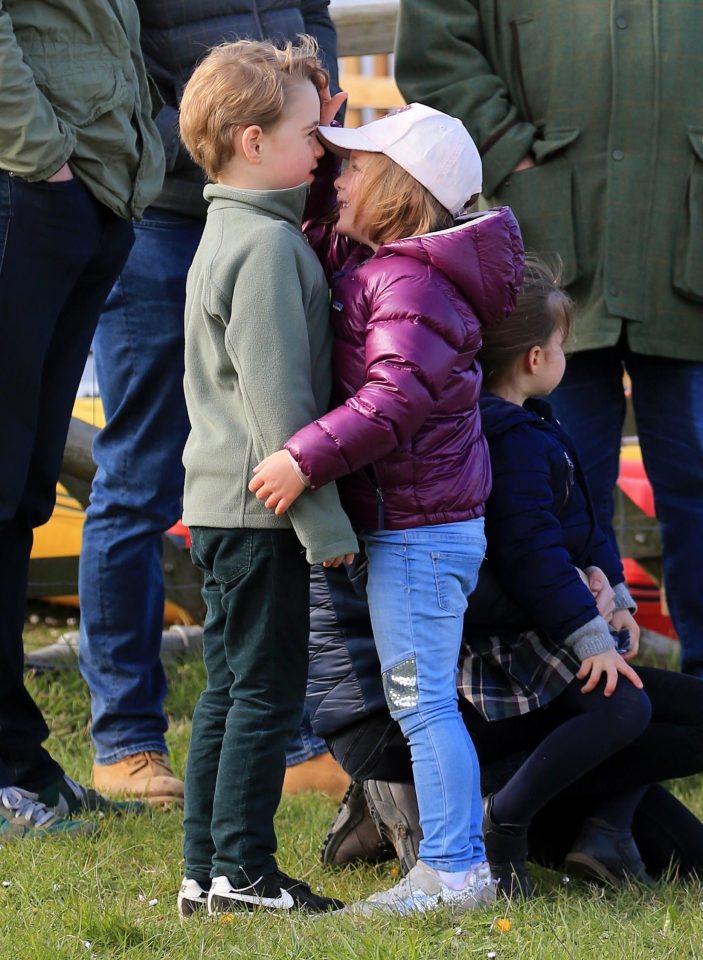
455,881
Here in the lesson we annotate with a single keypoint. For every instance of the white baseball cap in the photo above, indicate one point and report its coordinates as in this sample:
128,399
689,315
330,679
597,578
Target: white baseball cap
433,147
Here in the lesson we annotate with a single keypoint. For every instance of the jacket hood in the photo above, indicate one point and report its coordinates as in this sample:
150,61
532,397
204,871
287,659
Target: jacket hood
482,255
499,415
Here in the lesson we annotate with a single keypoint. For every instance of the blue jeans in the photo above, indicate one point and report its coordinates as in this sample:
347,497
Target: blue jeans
667,397
304,744
60,252
419,583
137,490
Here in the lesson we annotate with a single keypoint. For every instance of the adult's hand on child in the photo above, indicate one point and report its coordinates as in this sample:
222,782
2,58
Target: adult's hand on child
330,105
604,595
276,482
623,620
611,664
338,561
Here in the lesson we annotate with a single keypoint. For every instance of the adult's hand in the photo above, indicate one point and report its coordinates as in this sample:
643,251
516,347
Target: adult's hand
604,595
525,164
63,173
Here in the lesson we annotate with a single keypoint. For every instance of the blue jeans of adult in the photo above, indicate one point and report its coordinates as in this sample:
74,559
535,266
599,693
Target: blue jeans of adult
419,581
667,397
138,486
60,252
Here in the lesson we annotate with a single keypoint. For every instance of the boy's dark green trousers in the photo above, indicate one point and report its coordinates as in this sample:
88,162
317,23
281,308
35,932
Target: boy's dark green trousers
255,640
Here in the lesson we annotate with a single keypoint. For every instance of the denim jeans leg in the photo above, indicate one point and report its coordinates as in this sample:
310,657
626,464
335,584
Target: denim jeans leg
590,404
419,582
256,635
667,396
304,744
668,405
60,252
138,486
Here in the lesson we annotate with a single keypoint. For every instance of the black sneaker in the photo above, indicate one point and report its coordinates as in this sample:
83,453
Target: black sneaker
274,892
354,835
393,807
192,897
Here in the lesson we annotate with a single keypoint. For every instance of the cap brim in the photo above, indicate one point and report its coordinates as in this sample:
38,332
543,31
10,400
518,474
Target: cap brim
342,140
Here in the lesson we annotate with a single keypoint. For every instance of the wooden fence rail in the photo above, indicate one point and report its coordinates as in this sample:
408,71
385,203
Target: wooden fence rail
362,30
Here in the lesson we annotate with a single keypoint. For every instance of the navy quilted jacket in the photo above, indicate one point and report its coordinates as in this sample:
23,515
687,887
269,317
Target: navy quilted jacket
540,523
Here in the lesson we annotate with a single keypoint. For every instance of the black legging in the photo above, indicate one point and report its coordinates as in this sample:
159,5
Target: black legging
670,747
593,728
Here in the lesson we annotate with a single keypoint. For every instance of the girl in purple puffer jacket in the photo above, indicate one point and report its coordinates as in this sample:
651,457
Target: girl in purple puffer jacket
410,294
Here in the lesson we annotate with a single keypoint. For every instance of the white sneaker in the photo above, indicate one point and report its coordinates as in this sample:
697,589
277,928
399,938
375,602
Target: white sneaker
422,891
191,898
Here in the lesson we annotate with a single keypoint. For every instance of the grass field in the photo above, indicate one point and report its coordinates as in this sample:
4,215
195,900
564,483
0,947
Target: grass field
113,895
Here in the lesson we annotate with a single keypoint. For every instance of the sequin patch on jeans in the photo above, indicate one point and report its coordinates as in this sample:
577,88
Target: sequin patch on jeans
400,685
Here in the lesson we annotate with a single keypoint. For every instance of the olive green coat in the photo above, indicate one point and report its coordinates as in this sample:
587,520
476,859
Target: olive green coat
608,97
73,87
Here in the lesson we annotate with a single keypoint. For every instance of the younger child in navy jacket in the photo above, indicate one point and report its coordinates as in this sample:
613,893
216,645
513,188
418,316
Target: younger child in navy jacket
544,544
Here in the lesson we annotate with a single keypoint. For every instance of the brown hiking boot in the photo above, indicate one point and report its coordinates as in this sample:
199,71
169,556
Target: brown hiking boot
320,774
147,775
353,835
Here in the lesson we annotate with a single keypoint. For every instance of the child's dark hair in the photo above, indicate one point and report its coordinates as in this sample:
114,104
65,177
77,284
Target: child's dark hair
542,307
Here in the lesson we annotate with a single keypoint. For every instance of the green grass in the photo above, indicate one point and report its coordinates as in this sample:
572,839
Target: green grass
89,898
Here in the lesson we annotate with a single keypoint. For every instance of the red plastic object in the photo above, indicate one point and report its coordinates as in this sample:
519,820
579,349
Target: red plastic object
634,483
179,531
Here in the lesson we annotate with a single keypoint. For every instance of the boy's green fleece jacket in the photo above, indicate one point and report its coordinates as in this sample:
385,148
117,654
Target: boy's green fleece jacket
258,364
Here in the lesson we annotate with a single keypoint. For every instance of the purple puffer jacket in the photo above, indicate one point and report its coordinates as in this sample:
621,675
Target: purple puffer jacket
405,440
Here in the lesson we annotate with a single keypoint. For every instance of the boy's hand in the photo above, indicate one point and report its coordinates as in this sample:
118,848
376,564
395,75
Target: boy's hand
336,561
330,105
276,482
623,619
599,585
611,664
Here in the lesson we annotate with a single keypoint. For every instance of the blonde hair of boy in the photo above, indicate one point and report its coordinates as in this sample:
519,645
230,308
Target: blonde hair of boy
394,204
242,84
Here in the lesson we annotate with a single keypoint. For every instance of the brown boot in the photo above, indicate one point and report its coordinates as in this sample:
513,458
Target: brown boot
320,774
147,775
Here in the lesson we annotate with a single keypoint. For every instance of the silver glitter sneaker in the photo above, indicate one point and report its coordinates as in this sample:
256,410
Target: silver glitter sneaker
422,891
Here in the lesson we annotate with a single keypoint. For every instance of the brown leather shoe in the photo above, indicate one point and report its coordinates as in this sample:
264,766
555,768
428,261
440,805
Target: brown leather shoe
147,775
320,774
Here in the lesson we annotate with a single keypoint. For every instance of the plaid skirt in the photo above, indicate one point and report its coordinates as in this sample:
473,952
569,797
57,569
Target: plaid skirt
508,673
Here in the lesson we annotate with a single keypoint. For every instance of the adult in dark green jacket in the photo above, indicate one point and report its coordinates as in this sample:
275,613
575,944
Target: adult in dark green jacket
79,157
589,118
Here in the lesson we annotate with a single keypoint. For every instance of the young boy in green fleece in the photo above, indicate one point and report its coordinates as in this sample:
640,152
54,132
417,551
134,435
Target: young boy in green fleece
258,367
